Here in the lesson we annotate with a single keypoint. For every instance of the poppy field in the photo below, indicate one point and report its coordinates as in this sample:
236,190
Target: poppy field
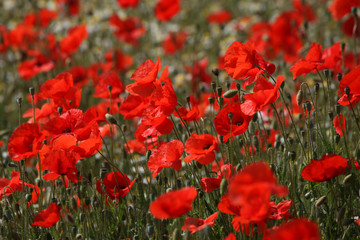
180,119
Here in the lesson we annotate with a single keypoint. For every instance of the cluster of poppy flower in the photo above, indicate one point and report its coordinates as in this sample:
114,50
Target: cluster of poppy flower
59,134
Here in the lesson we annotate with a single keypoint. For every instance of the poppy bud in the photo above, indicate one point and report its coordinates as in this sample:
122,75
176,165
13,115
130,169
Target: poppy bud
32,91
150,230
299,97
230,115
110,119
238,167
187,99
78,236
148,154
308,106
215,71
339,76
326,72
107,109
316,87
292,155
230,93
19,101
60,110
307,195
347,90
255,141
238,86
223,186
354,11
338,109
337,138
221,101
320,201
28,197
228,85
219,91
343,45
12,164
211,100
110,88
213,85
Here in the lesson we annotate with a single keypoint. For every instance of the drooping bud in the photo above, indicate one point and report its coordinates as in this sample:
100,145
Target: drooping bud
110,118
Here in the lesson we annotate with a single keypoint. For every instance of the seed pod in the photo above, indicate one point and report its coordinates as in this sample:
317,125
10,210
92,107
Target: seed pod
339,76
347,90
230,93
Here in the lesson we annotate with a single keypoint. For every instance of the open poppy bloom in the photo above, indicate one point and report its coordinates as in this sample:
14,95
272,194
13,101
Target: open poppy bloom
167,155
25,141
48,217
351,80
117,185
166,9
210,184
196,224
73,40
174,42
220,17
227,127
201,148
264,94
300,228
174,203
310,63
340,8
144,77
328,167
127,30
106,80
128,3
242,61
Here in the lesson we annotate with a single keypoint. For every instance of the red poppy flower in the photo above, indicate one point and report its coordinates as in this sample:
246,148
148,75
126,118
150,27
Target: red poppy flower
219,17
254,176
48,217
187,115
57,87
73,40
210,184
242,61
30,68
332,57
201,148
118,60
199,74
174,203
328,167
238,124
144,77
25,141
280,210
8,187
117,185
128,30
72,5
300,228
106,80
310,63
42,18
340,8
128,3
196,224
339,124
80,76
305,10
231,236
166,9
174,42
134,106
264,93
167,155
351,80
